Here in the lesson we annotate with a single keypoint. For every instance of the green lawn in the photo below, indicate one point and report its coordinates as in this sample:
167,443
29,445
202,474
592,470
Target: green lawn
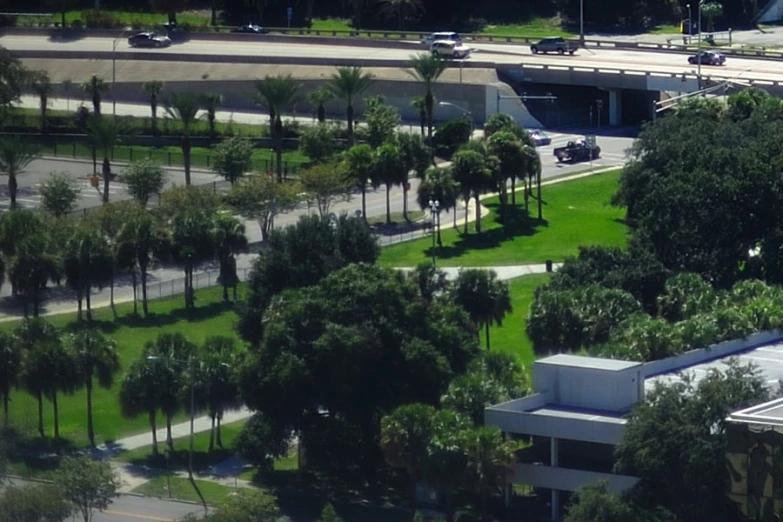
575,213
142,19
181,489
535,28
211,317
667,29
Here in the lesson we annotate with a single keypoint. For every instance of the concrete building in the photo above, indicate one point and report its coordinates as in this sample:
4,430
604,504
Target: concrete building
576,414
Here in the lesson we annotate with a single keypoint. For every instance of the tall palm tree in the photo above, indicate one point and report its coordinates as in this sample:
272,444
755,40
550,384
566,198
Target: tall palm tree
184,107
139,394
10,367
438,185
15,226
35,262
87,264
228,237
318,98
277,93
390,170
191,244
210,102
484,297
96,359
416,158
216,388
427,68
152,89
348,84
94,87
105,134
490,463
420,104
470,171
402,10
142,238
54,362
360,167
30,335
43,88
15,156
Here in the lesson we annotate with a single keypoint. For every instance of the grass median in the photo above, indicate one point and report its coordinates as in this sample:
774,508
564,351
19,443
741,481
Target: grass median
182,489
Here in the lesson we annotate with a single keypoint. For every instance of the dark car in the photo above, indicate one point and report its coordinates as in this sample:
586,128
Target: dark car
148,39
250,28
707,58
554,44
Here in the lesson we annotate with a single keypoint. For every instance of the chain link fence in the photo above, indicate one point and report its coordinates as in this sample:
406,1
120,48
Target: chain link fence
175,287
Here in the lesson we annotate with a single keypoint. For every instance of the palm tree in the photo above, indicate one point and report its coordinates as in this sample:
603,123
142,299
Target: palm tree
95,358
142,239
318,98
139,394
15,156
484,297
87,264
43,88
512,161
348,84
427,68
105,134
439,185
94,87
420,104
216,389
228,237
470,171
277,93
152,89
210,102
402,10
15,226
389,170
10,367
30,335
191,244
490,463
360,167
415,157
184,106
35,262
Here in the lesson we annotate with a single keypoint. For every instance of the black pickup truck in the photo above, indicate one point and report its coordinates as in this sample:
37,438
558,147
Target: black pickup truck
554,44
577,150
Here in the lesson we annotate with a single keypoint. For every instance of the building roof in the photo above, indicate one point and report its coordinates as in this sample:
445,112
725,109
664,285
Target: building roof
594,363
582,414
769,414
767,357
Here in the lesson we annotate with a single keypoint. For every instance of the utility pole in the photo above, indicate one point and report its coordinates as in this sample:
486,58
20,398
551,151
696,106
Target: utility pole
698,52
582,23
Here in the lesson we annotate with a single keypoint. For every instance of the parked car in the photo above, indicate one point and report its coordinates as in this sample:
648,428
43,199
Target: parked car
449,49
539,138
250,28
446,35
149,39
554,44
707,58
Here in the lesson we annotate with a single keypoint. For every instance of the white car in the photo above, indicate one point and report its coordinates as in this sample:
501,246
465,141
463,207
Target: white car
454,37
449,49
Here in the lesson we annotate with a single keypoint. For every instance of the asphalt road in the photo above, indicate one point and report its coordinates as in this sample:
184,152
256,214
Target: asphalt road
631,60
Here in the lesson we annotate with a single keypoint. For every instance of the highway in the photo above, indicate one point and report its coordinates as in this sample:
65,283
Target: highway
631,60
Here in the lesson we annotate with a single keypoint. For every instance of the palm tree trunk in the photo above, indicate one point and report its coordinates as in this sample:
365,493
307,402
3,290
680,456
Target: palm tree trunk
467,210
279,147
478,214
111,290
106,175
144,306
513,191
154,427
213,18
90,427
218,435
486,333
169,438
5,407
429,101
186,157
12,186
423,122
36,300
56,412
39,397
212,434
154,109
135,300
349,117
388,205
44,103
364,201
87,301
79,297
405,200
538,196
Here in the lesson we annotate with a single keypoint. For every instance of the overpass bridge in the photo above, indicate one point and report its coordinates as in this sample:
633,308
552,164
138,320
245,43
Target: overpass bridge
626,76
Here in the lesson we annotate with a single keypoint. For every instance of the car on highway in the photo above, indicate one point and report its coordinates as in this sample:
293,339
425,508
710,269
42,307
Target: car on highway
554,44
707,58
449,49
539,138
250,28
149,39
445,35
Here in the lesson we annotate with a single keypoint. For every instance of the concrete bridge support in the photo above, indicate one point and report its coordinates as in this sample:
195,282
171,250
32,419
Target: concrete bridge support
615,107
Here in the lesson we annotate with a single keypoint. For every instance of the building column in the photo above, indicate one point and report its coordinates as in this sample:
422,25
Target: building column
615,107
553,461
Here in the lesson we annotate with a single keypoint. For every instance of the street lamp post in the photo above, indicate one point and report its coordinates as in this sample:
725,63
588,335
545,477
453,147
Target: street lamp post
690,23
114,77
434,214
582,23
698,52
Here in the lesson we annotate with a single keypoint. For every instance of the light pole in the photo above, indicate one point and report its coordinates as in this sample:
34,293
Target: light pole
690,23
698,52
114,77
582,23
435,215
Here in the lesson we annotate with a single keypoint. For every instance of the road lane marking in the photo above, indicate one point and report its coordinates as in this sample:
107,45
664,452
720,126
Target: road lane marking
133,515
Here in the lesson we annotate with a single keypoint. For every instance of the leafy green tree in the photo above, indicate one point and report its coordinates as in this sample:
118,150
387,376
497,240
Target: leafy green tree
233,157
259,442
490,463
389,170
34,264
216,389
483,296
348,84
403,10
328,514
711,11
59,194
318,98
210,102
382,121
263,198
13,77
96,360
500,122
105,134
511,163
139,394
145,178
469,169
43,88
34,503
247,505
326,184
405,434
277,94
87,264
447,459
439,185
686,418
153,89
10,368
88,483
15,156
183,199
94,88
229,238
415,158
594,503
686,295
184,107
427,68
319,142
354,323
360,167
431,281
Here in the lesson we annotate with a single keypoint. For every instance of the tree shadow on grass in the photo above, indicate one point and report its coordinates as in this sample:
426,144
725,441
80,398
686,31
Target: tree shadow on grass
517,223
178,459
